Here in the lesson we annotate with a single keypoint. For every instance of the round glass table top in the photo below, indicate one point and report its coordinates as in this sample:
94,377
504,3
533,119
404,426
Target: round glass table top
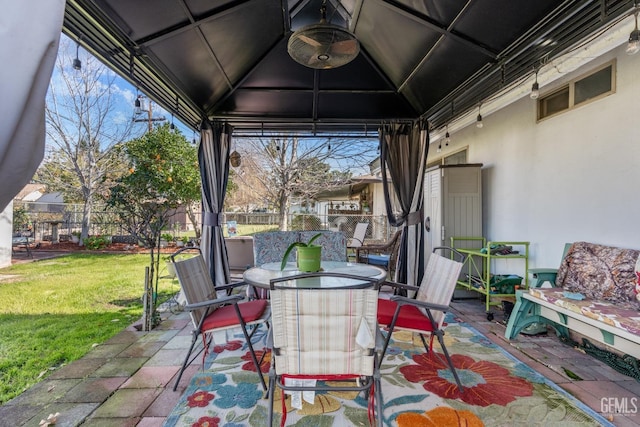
261,276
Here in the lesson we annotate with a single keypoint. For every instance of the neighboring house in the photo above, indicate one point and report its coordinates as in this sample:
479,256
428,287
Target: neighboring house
48,202
30,193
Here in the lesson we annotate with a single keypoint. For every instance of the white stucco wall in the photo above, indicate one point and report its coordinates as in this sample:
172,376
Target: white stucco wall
6,227
573,177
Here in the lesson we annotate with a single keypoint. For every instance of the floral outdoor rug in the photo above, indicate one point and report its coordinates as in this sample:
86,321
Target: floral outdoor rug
418,389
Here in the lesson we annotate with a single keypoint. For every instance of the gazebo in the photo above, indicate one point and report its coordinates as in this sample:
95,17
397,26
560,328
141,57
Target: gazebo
397,67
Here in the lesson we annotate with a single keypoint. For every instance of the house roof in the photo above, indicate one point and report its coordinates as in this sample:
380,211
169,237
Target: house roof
433,59
30,192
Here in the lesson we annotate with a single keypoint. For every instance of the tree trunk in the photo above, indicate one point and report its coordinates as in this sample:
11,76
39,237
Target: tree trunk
283,212
86,219
194,221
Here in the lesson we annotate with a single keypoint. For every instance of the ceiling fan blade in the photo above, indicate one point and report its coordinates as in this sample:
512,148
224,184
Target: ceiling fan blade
309,40
345,47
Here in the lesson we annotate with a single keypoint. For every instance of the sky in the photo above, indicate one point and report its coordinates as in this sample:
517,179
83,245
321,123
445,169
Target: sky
126,95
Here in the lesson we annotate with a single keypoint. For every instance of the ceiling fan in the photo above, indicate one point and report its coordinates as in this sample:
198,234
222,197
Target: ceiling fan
323,45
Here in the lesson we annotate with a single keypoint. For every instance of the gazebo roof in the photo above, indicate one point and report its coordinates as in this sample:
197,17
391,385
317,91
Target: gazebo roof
227,59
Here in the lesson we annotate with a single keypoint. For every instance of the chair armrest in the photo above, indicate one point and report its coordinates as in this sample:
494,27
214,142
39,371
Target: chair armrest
354,242
373,248
218,301
231,285
400,286
400,300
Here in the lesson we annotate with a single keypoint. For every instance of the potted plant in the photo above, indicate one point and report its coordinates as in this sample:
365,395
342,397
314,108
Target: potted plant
165,238
181,241
75,237
309,255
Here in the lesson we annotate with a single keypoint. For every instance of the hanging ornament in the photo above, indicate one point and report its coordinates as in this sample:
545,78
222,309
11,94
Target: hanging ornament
235,159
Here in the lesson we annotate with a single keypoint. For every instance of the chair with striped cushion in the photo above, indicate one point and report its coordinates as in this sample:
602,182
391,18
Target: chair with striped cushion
324,335
425,313
211,314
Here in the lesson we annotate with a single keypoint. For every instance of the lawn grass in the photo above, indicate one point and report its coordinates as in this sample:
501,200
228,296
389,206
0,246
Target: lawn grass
53,311
251,229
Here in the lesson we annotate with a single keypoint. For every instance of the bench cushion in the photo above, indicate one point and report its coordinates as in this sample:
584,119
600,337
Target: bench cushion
601,273
622,316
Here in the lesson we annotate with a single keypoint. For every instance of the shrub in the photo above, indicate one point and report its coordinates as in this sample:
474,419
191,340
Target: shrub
96,242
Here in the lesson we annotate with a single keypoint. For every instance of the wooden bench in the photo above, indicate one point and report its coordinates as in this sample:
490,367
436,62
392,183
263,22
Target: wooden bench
22,240
596,294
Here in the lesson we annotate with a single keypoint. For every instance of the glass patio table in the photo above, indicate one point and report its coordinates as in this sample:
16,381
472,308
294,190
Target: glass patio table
262,276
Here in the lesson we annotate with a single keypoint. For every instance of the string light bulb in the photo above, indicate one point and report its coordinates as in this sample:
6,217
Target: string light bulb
479,123
447,137
77,64
137,105
633,46
535,88
439,146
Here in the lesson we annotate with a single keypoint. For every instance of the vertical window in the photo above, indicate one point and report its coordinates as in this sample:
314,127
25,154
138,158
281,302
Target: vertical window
594,85
597,84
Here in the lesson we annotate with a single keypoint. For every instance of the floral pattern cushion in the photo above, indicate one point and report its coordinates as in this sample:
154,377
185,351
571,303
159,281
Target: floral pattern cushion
637,290
621,316
270,246
601,273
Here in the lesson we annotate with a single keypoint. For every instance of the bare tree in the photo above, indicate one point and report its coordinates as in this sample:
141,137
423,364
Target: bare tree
285,167
84,125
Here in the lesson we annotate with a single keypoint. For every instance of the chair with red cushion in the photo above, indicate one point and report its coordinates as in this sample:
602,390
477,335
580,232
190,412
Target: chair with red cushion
324,334
210,313
423,314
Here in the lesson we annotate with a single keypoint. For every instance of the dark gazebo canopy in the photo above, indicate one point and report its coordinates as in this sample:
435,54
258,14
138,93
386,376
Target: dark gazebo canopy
227,59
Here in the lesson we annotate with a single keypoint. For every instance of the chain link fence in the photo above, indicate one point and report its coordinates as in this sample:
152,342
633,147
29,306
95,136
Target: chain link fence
66,220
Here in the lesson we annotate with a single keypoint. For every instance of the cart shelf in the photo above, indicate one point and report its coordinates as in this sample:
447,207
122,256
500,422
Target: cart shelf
480,262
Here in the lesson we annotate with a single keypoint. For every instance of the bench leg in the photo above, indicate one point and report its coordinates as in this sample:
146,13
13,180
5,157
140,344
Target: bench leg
527,313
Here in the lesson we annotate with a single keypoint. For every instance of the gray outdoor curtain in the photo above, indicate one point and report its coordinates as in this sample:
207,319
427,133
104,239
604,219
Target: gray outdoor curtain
403,157
30,31
213,158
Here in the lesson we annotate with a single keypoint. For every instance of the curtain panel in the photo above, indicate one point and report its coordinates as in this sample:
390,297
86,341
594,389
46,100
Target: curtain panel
403,158
213,158
30,31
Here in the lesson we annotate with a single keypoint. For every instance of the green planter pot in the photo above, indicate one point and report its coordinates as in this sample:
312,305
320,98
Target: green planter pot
309,258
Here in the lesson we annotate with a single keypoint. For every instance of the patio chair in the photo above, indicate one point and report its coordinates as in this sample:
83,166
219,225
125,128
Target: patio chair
319,335
359,235
384,255
211,314
424,314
